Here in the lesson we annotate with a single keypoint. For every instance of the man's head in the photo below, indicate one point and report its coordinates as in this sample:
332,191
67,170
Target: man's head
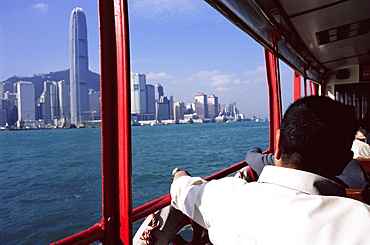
316,135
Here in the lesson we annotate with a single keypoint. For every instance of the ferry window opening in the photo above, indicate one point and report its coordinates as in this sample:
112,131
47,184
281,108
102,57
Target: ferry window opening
53,168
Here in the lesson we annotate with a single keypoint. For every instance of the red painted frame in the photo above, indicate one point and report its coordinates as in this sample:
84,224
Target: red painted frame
274,95
297,86
117,213
116,123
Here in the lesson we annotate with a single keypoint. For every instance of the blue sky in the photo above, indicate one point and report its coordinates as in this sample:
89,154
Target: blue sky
185,45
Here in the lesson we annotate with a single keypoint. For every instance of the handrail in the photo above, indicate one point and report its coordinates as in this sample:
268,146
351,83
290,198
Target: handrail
93,234
146,209
97,232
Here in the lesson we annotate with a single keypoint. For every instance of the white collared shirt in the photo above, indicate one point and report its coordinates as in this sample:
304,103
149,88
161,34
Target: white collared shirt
285,206
360,149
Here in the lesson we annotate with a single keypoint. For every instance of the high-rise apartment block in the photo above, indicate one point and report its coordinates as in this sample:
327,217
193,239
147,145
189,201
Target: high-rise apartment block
163,108
201,106
150,99
64,101
10,107
26,102
54,103
158,91
48,100
213,106
94,99
142,98
138,94
79,93
178,110
232,109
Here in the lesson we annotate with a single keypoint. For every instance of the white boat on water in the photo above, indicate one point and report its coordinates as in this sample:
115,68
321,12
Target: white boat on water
156,123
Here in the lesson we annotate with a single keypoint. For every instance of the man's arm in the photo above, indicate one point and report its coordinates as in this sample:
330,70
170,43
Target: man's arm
186,194
257,160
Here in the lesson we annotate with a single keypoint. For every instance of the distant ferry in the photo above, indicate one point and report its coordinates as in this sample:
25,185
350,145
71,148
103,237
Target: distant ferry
156,123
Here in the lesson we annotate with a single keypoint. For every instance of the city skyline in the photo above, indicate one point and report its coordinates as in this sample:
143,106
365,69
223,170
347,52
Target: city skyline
185,45
151,104
148,103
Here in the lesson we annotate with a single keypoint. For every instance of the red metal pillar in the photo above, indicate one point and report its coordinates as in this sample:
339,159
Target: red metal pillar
116,122
358,105
366,103
341,97
297,86
305,87
313,88
273,81
349,99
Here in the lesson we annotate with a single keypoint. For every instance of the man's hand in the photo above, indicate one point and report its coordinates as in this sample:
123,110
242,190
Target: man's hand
177,173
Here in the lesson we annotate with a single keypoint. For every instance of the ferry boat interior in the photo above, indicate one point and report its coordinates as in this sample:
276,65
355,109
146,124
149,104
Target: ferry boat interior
326,43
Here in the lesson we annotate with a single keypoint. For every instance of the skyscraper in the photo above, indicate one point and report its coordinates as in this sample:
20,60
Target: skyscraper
64,100
178,110
158,92
201,106
26,101
213,105
138,94
45,102
150,99
163,108
79,93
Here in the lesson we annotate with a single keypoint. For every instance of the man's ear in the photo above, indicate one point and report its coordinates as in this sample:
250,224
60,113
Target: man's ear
278,145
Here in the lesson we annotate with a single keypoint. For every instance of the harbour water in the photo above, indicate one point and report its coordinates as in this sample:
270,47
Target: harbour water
51,179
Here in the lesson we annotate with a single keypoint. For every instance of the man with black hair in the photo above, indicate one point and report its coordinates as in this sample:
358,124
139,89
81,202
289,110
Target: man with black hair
294,202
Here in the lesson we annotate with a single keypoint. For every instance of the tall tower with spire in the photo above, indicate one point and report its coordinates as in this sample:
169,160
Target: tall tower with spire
79,65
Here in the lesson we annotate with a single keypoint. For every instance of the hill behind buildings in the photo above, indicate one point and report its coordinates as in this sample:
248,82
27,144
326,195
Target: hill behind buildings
39,79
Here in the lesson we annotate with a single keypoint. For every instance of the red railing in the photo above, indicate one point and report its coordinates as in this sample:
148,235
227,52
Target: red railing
117,213
93,234
151,207
98,233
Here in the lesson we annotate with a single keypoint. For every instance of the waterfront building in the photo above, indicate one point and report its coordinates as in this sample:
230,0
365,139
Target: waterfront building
213,105
2,112
10,106
79,100
223,109
170,101
25,102
6,87
178,110
142,98
163,108
232,109
53,105
94,98
48,99
159,92
201,106
138,94
64,102
150,99
163,104
189,108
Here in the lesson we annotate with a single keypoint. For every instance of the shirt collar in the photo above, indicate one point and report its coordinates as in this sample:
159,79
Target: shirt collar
302,181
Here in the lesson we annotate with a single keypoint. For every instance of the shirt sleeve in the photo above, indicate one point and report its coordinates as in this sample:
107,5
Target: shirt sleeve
206,201
186,195
257,160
